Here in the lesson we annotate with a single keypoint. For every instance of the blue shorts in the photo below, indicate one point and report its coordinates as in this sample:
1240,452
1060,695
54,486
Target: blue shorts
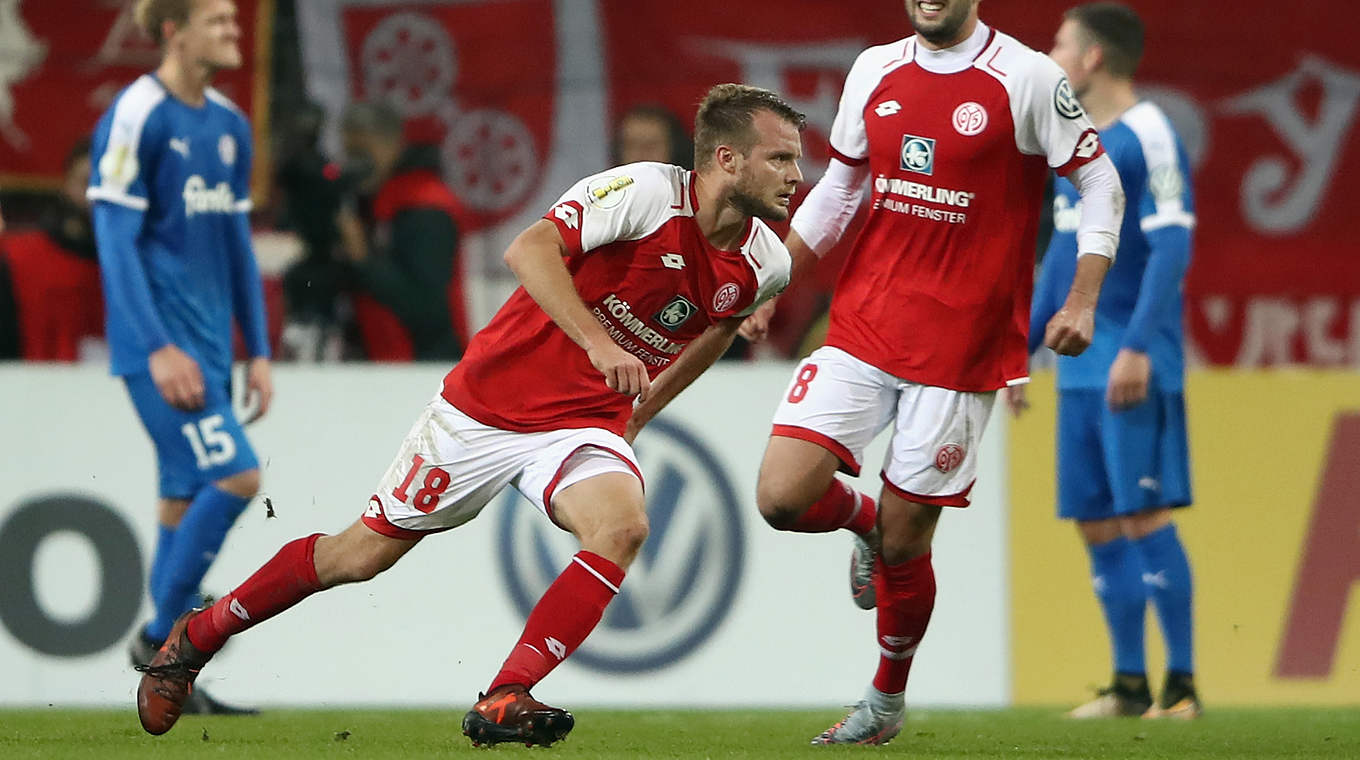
1118,463
193,449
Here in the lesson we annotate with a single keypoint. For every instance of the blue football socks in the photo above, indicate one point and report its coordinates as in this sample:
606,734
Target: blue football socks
191,552
165,542
1117,573
1167,577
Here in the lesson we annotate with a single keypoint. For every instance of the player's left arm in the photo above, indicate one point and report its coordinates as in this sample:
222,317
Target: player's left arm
697,357
1057,125
1071,329
247,291
1167,224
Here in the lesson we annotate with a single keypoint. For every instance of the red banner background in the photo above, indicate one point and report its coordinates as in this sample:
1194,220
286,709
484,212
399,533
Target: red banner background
63,62
1267,102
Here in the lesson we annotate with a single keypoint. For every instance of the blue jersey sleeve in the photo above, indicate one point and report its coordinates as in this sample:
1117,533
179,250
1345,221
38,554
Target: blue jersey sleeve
247,292
122,155
1167,261
1165,211
126,290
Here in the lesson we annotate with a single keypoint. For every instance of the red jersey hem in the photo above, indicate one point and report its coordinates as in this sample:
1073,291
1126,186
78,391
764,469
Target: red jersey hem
486,417
961,387
848,463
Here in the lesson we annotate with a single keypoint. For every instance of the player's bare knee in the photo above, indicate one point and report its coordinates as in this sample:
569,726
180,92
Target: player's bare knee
778,506
355,555
628,535
900,548
1096,532
908,528
1142,524
243,484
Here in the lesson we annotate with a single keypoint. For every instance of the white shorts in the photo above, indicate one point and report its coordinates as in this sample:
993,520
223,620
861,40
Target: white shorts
451,466
841,403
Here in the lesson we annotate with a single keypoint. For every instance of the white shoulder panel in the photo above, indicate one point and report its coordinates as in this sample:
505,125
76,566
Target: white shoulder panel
771,262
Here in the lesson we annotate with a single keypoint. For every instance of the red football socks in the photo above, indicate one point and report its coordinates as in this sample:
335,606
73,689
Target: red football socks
840,507
569,610
282,582
906,596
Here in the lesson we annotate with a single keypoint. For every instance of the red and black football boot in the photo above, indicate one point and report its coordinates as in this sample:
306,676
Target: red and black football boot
168,680
509,714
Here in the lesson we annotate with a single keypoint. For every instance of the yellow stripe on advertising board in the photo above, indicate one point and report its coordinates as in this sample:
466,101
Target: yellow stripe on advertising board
1273,541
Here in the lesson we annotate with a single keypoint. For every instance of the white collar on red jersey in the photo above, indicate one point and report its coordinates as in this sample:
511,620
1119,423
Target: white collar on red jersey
952,60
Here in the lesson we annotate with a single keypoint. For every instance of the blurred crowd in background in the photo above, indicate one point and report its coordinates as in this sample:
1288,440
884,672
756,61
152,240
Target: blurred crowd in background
371,236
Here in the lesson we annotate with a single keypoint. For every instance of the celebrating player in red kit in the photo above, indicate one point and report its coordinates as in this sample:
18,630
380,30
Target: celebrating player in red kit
634,282
955,129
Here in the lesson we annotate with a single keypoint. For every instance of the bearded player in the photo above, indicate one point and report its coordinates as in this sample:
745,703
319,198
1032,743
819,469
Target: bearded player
634,282
955,129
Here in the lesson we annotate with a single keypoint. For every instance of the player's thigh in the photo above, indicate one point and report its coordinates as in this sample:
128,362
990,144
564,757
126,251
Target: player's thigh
933,455
794,473
1146,454
567,473
836,402
1083,484
193,448
605,513
448,468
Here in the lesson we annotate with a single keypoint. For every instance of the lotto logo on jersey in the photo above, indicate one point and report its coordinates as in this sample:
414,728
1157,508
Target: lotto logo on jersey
918,154
675,313
569,214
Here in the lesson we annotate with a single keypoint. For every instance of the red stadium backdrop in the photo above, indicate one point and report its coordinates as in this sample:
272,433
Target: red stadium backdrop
1266,103
61,64
523,93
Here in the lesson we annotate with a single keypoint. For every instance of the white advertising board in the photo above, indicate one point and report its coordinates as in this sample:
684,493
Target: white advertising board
717,598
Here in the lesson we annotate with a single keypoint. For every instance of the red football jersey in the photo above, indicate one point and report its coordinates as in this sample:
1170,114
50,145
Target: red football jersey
936,289
649,275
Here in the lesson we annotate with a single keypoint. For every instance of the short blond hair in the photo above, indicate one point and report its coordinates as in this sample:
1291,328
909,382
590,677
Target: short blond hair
151,15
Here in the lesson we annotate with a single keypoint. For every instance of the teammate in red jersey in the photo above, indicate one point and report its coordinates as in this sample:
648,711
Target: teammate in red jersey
955,129
634,282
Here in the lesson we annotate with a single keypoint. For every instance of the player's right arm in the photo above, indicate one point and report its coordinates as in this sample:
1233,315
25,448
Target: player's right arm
122,151
537,257
1053,124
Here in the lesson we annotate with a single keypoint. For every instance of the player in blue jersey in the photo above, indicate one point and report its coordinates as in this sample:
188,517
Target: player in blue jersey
171,193
1123,461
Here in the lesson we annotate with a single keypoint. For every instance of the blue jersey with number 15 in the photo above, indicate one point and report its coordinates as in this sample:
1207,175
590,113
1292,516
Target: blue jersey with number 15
171,186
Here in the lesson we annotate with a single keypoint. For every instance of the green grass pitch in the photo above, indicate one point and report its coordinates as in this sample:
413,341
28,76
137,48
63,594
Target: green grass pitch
1240,734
